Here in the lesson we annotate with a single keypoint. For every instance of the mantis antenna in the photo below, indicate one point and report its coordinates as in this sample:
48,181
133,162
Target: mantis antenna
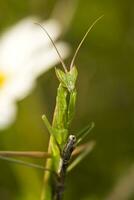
60,57
79,46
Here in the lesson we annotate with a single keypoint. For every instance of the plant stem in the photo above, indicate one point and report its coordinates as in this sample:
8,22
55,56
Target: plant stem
46,191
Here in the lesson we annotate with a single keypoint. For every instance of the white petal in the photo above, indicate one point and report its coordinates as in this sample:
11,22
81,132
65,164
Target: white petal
7,113
44,60
19,42
23,81
20,87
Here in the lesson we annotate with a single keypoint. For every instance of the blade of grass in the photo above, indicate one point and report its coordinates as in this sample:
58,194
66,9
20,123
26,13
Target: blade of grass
80,157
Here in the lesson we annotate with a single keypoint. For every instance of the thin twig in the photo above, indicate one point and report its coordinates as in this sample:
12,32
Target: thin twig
39,154
32,154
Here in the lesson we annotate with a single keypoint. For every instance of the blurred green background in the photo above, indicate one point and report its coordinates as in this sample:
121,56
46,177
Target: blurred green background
105,95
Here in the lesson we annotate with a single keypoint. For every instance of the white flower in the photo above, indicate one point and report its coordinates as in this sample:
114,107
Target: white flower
25,53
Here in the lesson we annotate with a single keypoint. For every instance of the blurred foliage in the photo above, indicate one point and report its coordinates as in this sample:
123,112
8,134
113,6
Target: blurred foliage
105,95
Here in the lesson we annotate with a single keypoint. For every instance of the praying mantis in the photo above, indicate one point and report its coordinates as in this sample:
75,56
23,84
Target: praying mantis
62,146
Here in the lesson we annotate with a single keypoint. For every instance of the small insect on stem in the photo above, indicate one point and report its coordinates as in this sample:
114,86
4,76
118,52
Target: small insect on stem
64,162
66,155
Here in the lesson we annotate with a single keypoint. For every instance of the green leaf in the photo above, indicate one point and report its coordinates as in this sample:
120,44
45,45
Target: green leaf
22,162
80,157
84,132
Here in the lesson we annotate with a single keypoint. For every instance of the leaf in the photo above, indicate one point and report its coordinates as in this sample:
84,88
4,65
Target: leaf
84,132
21,162
79,158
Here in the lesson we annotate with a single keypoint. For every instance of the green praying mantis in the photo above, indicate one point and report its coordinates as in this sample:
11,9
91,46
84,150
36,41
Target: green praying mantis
62,146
